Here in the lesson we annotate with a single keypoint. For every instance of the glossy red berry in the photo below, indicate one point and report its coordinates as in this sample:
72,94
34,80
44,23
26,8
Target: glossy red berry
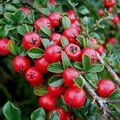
75,97
93,41
71,15
55,91
47,102
110,10
41,64
105,88
4,47
109,3
75,24
68,75
40,22
52,53
33,76
101,12
112,41
100,49
73,51
53,2
25,9
71,34
54,18
30,40
89,52
60,112
56,38
67,116
21,63
116,20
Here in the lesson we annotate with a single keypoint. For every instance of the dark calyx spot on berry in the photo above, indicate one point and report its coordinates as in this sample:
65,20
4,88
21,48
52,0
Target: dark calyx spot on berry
21,69
73,49
31,75
34,41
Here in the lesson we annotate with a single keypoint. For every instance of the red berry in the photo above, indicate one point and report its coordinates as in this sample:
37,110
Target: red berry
41,64
55,37
4,47
53,2
109,3
52,53
105,88
33,76
100,49
71,15
73,51
68,75
67,116
75,24
112,41
101,12
90,52
47,102
21,63
75,97
55,91
110,10
54,18
93,41
116,20
60,112
25,10
40,22
71,34
30,40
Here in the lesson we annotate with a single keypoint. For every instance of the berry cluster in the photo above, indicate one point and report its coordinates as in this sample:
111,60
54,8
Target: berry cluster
35,71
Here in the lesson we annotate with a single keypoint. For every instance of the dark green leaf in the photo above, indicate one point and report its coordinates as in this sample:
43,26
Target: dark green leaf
64,41
55,67
3,32
83,10
81,39
46,30
54,115
55,81
78,65
46,42
86,62
65,60
45,11
78,81
65,22
40,90
35,53
9,27
23,29
8,16
11,112
88,21
115,94
10,7
96,68
38,114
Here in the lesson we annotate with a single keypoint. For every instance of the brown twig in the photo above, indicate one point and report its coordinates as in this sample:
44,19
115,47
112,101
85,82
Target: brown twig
110,70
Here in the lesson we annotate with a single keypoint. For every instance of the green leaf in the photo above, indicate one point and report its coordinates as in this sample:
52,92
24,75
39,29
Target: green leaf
11,112
55,67
40,90
78,65
9,27
46,30
12,47
65,60
83,10
10,7
88,21
3,32
19,16
92,78
64,41
65,22
115,94
81,39
96,68
38,114
45,11
86,62
78,81
55,81
30,17
35,53
54,115
23,29
8,16
45,42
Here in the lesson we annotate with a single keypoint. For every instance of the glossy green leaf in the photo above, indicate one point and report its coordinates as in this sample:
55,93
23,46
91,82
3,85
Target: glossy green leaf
54,116
78,65
46,30
88,21
96,68
65,22
78,81
64,41
83,10
45,42
11,112
45,11
115,94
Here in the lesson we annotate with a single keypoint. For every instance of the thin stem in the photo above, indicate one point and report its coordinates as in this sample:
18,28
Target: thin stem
113,101
110,70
